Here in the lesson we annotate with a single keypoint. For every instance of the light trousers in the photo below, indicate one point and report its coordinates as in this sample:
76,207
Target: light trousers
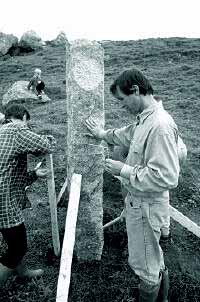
145,217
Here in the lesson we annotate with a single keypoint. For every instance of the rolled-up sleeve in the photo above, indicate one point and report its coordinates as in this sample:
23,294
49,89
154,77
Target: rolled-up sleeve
121,136
161,169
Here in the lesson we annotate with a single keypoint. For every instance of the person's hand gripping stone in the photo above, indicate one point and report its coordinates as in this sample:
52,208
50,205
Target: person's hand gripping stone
112,166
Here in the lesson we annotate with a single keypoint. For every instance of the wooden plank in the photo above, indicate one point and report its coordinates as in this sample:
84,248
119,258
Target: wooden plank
176,215
182,219
69,239
62,191
112,222
185,221
53,204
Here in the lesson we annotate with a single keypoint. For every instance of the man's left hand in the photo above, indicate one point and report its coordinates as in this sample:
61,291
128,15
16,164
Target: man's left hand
42,172
113,166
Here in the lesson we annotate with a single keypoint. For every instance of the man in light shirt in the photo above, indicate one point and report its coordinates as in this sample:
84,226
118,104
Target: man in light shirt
151,169
120,154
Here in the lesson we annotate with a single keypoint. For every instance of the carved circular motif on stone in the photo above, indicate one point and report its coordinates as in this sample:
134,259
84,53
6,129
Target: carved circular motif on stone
87,72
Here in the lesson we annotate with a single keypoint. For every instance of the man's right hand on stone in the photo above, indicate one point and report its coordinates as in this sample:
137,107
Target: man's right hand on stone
95,129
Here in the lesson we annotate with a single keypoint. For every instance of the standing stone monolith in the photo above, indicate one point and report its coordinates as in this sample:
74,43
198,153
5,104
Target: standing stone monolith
85,98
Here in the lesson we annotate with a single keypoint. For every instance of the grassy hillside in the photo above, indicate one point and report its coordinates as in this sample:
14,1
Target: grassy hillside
173,67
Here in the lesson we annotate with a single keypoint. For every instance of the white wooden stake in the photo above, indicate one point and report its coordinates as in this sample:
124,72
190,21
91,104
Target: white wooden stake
62,190
112,222
185,221
118,219
176,215
69,239
53,204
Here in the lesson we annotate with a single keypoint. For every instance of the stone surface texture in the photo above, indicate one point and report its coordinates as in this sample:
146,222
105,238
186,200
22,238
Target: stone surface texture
31,40
6,42
18,91
85,98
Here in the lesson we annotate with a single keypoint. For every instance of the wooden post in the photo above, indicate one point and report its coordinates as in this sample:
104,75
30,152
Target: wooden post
62,191
53,204
85,98
112,222
69,239
184,221
175,214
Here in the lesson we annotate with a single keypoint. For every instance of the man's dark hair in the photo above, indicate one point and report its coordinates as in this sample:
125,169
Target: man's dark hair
16,111
128,78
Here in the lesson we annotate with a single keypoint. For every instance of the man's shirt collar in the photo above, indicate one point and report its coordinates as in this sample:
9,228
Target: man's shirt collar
147,112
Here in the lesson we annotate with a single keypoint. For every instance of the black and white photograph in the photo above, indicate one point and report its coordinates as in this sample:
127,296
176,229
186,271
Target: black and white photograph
100,151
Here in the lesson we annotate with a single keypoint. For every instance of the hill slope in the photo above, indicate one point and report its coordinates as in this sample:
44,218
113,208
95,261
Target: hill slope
173,67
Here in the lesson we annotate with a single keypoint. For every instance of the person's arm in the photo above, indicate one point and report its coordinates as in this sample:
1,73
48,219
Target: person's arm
121,136
29,142
161,170
32,176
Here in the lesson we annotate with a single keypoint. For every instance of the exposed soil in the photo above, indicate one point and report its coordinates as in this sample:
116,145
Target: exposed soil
173,67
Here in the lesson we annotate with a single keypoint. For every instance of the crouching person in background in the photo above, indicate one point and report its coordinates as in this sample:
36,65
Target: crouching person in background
36,83
16,141
151,169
